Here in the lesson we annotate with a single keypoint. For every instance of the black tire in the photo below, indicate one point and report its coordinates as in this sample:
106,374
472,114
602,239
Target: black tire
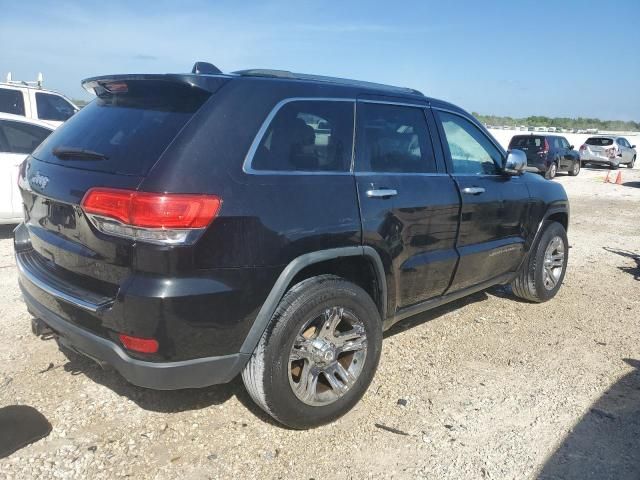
614,166
632,163
530,284
551,172
267,374
575,168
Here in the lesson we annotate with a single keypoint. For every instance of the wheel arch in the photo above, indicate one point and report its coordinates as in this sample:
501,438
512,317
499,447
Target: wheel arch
310,264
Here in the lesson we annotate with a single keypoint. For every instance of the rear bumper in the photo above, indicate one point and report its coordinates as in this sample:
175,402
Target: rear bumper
194,373
599,160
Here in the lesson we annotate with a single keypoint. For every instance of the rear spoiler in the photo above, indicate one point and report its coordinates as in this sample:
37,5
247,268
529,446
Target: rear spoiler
209,83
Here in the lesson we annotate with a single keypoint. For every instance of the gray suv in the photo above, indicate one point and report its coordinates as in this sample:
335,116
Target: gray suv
608,150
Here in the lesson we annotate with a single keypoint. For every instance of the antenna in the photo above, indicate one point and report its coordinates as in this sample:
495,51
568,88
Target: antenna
40,79
9,77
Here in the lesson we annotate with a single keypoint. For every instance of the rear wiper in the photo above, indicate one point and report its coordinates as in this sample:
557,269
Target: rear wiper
73,153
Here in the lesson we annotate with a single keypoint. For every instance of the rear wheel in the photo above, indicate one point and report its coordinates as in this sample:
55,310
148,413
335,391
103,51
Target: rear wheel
552,170
543,272
614,165
575,169
318,354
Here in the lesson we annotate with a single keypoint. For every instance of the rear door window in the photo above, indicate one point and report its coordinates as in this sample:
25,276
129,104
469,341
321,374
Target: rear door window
131,128
308,136
599,141
393,139
11,101
18,137
53,107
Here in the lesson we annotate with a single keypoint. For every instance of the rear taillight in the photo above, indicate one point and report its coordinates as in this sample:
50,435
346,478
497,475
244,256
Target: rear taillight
545,148
152,217
138,344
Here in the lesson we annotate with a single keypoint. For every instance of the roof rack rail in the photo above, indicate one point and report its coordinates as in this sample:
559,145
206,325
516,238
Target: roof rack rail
262,72
36,83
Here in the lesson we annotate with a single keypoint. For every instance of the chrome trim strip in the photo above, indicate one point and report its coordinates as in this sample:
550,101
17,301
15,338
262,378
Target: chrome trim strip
401,104
248,159
78,302
401,174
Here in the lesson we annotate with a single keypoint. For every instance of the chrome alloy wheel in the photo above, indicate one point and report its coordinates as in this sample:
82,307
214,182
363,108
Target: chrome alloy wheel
327,356
553,263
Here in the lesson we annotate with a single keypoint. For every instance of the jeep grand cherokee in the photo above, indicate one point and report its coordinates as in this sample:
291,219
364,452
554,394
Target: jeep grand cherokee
187,228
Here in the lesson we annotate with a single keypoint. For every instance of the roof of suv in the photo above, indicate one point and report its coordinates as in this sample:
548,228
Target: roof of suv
212,82
210,77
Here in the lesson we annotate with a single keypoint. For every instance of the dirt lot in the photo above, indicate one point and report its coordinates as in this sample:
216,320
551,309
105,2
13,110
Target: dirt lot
489,387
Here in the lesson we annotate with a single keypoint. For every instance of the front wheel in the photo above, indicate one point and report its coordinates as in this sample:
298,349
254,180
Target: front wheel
632,163
542,273
575,169
318,354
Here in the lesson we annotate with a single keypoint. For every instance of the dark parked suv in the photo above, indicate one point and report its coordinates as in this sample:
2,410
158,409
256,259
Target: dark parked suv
184,229
549,154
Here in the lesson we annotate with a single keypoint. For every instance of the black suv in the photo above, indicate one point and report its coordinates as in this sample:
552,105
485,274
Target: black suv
186,228
548,154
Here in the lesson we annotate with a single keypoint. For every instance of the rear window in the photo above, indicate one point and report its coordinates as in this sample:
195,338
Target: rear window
599,141
131,129
528,141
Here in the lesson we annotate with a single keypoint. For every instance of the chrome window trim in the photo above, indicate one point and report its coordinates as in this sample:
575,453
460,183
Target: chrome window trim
401,174
400,104
248,159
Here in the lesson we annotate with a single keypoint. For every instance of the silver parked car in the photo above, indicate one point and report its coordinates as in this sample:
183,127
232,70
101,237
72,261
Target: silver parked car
608,150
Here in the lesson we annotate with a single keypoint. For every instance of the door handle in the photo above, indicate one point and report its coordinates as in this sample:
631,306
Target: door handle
381,193
473,190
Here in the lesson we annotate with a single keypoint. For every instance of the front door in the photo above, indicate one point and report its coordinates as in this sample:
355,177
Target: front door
494,206
409,205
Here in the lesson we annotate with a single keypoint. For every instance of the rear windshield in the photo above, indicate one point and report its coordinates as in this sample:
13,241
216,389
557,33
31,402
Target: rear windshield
528,141
131,129
599,141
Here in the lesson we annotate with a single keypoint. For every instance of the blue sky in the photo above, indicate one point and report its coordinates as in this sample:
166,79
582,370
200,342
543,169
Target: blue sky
564,58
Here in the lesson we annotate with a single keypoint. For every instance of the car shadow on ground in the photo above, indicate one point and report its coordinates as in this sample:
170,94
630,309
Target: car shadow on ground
163,401
635,271
631,184
6,231
434,313
606,441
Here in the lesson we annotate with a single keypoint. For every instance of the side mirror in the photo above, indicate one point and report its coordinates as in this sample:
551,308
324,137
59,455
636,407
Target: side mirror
633,146
570,147
515,163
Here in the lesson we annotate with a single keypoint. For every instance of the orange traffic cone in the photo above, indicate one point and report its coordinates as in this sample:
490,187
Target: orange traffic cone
619,179
606,179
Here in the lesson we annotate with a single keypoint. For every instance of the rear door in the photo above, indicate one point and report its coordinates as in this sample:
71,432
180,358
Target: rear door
494,206
409,205
625,150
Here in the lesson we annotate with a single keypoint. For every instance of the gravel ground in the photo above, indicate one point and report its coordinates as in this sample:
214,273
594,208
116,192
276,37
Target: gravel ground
488,387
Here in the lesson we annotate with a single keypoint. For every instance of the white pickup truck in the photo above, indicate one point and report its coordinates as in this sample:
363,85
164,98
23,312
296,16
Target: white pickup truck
31,100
